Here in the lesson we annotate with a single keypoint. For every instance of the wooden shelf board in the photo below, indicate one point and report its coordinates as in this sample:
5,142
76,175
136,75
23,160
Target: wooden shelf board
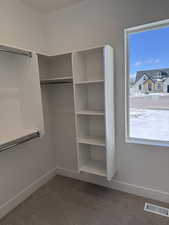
56,80
89,82
91,112
94,167
98,141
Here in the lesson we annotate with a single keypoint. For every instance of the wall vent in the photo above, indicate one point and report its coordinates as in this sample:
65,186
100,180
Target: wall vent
156,209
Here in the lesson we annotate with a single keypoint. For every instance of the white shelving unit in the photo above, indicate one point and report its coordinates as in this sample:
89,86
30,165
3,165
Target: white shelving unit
78,101
94,106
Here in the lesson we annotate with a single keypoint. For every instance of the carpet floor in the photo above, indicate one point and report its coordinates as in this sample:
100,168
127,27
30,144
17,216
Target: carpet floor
65,201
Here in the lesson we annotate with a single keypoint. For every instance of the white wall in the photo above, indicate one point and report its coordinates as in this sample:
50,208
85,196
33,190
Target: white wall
21,26
96,22
25,168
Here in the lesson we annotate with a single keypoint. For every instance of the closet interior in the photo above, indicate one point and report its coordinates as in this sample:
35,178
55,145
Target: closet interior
71,95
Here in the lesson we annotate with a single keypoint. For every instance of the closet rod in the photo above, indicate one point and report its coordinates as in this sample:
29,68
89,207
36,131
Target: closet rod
19,141
15,51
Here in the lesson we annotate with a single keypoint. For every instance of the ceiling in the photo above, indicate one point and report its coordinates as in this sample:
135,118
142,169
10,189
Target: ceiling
48,6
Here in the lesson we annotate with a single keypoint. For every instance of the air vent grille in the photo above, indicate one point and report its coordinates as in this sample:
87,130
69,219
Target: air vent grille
156,209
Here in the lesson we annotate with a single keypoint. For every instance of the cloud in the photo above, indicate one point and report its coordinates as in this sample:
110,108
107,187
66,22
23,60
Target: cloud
139,63
132,76
156,61
150,61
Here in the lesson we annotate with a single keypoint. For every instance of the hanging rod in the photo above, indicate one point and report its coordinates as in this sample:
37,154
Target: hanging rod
15,51
19,141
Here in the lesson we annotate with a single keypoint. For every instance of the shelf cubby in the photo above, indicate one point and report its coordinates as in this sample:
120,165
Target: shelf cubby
55,69
91,140
91,126
90,98
89,66
92,160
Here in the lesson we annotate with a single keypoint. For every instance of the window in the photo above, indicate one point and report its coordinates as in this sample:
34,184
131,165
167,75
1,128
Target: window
147,97
159,86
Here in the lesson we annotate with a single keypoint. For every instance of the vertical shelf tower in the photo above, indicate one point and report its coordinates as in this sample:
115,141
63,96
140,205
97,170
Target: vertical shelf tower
93,76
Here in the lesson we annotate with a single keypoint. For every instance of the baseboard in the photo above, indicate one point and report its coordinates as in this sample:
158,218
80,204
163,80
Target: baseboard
141,191
25,193
118,185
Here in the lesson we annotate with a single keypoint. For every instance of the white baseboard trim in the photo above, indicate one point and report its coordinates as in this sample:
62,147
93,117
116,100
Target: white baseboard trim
25,193
142,191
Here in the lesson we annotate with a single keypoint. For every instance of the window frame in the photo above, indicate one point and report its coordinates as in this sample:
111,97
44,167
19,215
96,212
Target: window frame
132,30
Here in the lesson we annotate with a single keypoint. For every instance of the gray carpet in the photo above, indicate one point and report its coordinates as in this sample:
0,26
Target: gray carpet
64,201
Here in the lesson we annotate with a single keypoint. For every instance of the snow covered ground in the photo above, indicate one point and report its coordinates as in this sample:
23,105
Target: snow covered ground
139,94
149,124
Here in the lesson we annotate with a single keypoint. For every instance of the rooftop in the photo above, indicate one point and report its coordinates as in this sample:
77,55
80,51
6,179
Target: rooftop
154,75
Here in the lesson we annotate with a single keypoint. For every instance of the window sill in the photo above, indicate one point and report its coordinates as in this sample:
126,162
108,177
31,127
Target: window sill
147,142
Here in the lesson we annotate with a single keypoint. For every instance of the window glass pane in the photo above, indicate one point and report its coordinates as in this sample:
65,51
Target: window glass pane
149,84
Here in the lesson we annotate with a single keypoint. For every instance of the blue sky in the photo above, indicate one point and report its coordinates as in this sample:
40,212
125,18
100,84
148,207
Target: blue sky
149,50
